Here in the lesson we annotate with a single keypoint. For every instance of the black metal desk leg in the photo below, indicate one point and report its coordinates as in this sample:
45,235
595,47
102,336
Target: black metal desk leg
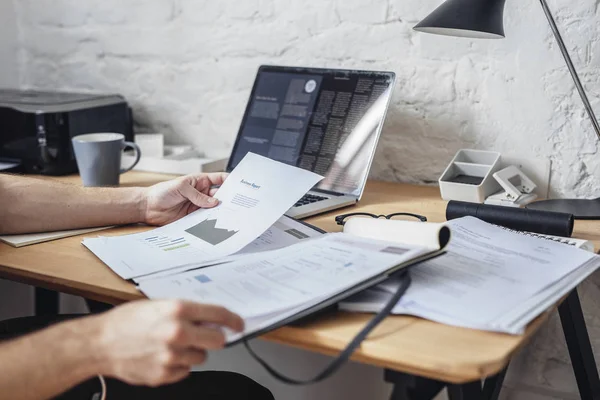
46,302
466,391
409,387
580,349
493,385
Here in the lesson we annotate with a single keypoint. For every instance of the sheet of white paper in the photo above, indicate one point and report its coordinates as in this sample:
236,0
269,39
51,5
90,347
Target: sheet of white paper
284,232
486,273
270,284
256,193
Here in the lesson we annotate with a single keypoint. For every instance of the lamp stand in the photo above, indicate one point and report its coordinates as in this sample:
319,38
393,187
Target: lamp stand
580,208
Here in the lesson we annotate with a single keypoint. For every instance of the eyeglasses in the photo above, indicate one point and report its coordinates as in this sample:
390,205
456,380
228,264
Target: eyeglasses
341,219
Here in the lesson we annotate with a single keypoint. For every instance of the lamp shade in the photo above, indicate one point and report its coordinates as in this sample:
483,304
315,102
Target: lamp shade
466,18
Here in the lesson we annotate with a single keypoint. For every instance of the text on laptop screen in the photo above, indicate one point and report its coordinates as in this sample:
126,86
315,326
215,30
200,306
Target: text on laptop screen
326,121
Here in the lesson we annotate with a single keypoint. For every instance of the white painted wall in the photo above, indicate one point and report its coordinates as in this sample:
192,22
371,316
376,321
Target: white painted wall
187,66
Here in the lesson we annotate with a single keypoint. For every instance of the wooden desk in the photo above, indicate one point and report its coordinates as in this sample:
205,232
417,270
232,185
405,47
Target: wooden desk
407,344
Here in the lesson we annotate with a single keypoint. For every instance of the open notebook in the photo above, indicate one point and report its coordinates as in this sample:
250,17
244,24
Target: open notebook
490,277
34,238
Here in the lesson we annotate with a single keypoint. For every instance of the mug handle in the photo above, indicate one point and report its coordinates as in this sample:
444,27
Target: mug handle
138,154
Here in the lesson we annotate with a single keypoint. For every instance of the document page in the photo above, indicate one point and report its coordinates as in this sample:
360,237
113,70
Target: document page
264,284
255,195
284,232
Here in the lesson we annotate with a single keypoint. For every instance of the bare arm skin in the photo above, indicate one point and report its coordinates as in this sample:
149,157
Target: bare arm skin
35,205
44,364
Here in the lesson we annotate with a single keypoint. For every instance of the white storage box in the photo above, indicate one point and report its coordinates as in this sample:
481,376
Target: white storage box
469,177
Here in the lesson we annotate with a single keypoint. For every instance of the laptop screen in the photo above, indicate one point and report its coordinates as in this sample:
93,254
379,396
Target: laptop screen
323,120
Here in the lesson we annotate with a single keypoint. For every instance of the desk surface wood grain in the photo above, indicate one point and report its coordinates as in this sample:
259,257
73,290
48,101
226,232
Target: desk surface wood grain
406,344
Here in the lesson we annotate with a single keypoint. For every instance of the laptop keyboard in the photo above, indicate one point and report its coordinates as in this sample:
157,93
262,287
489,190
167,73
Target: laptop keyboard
309,198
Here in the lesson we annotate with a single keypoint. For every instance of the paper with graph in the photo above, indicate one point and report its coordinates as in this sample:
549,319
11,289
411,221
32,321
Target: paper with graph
286,231
254,196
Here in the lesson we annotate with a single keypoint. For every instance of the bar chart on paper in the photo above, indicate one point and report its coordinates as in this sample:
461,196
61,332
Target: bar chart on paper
210,231
166,243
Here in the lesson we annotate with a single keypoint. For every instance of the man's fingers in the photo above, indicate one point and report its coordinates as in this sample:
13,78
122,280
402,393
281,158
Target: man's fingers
203,337
174,374
188,357
197,198
212,192
205,181
205,313
217,178
192,207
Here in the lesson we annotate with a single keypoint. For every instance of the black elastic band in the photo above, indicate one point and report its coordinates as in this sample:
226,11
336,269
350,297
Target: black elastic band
347,352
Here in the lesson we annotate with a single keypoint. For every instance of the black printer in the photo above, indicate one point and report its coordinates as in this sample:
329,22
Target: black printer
36,127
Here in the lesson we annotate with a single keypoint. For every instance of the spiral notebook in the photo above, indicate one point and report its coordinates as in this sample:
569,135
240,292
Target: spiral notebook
579,243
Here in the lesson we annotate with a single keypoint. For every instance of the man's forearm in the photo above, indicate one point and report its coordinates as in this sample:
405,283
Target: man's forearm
44,364
34,205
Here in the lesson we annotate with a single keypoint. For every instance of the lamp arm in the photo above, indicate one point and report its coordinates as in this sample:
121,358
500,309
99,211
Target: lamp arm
565,53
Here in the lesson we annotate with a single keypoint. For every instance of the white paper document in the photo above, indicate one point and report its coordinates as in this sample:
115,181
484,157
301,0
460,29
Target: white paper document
270,286
489,278
255,195
284,232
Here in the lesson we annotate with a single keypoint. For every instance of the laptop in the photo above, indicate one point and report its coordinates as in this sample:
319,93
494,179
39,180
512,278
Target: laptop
324,120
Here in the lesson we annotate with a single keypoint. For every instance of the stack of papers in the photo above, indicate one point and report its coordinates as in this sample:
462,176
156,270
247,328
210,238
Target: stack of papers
246,256
490,278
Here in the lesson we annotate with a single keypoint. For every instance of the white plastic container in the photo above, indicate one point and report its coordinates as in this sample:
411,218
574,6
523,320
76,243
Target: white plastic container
469,177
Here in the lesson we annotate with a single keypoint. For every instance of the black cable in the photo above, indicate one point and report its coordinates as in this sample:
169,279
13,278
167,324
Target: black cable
347,352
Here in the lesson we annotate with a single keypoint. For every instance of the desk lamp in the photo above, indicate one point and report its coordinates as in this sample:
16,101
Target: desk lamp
483,19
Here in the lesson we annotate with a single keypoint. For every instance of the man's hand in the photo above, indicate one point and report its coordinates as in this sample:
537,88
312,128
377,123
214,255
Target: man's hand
168,201
157,342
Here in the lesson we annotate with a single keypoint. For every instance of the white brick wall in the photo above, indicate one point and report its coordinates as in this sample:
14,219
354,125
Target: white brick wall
187,66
